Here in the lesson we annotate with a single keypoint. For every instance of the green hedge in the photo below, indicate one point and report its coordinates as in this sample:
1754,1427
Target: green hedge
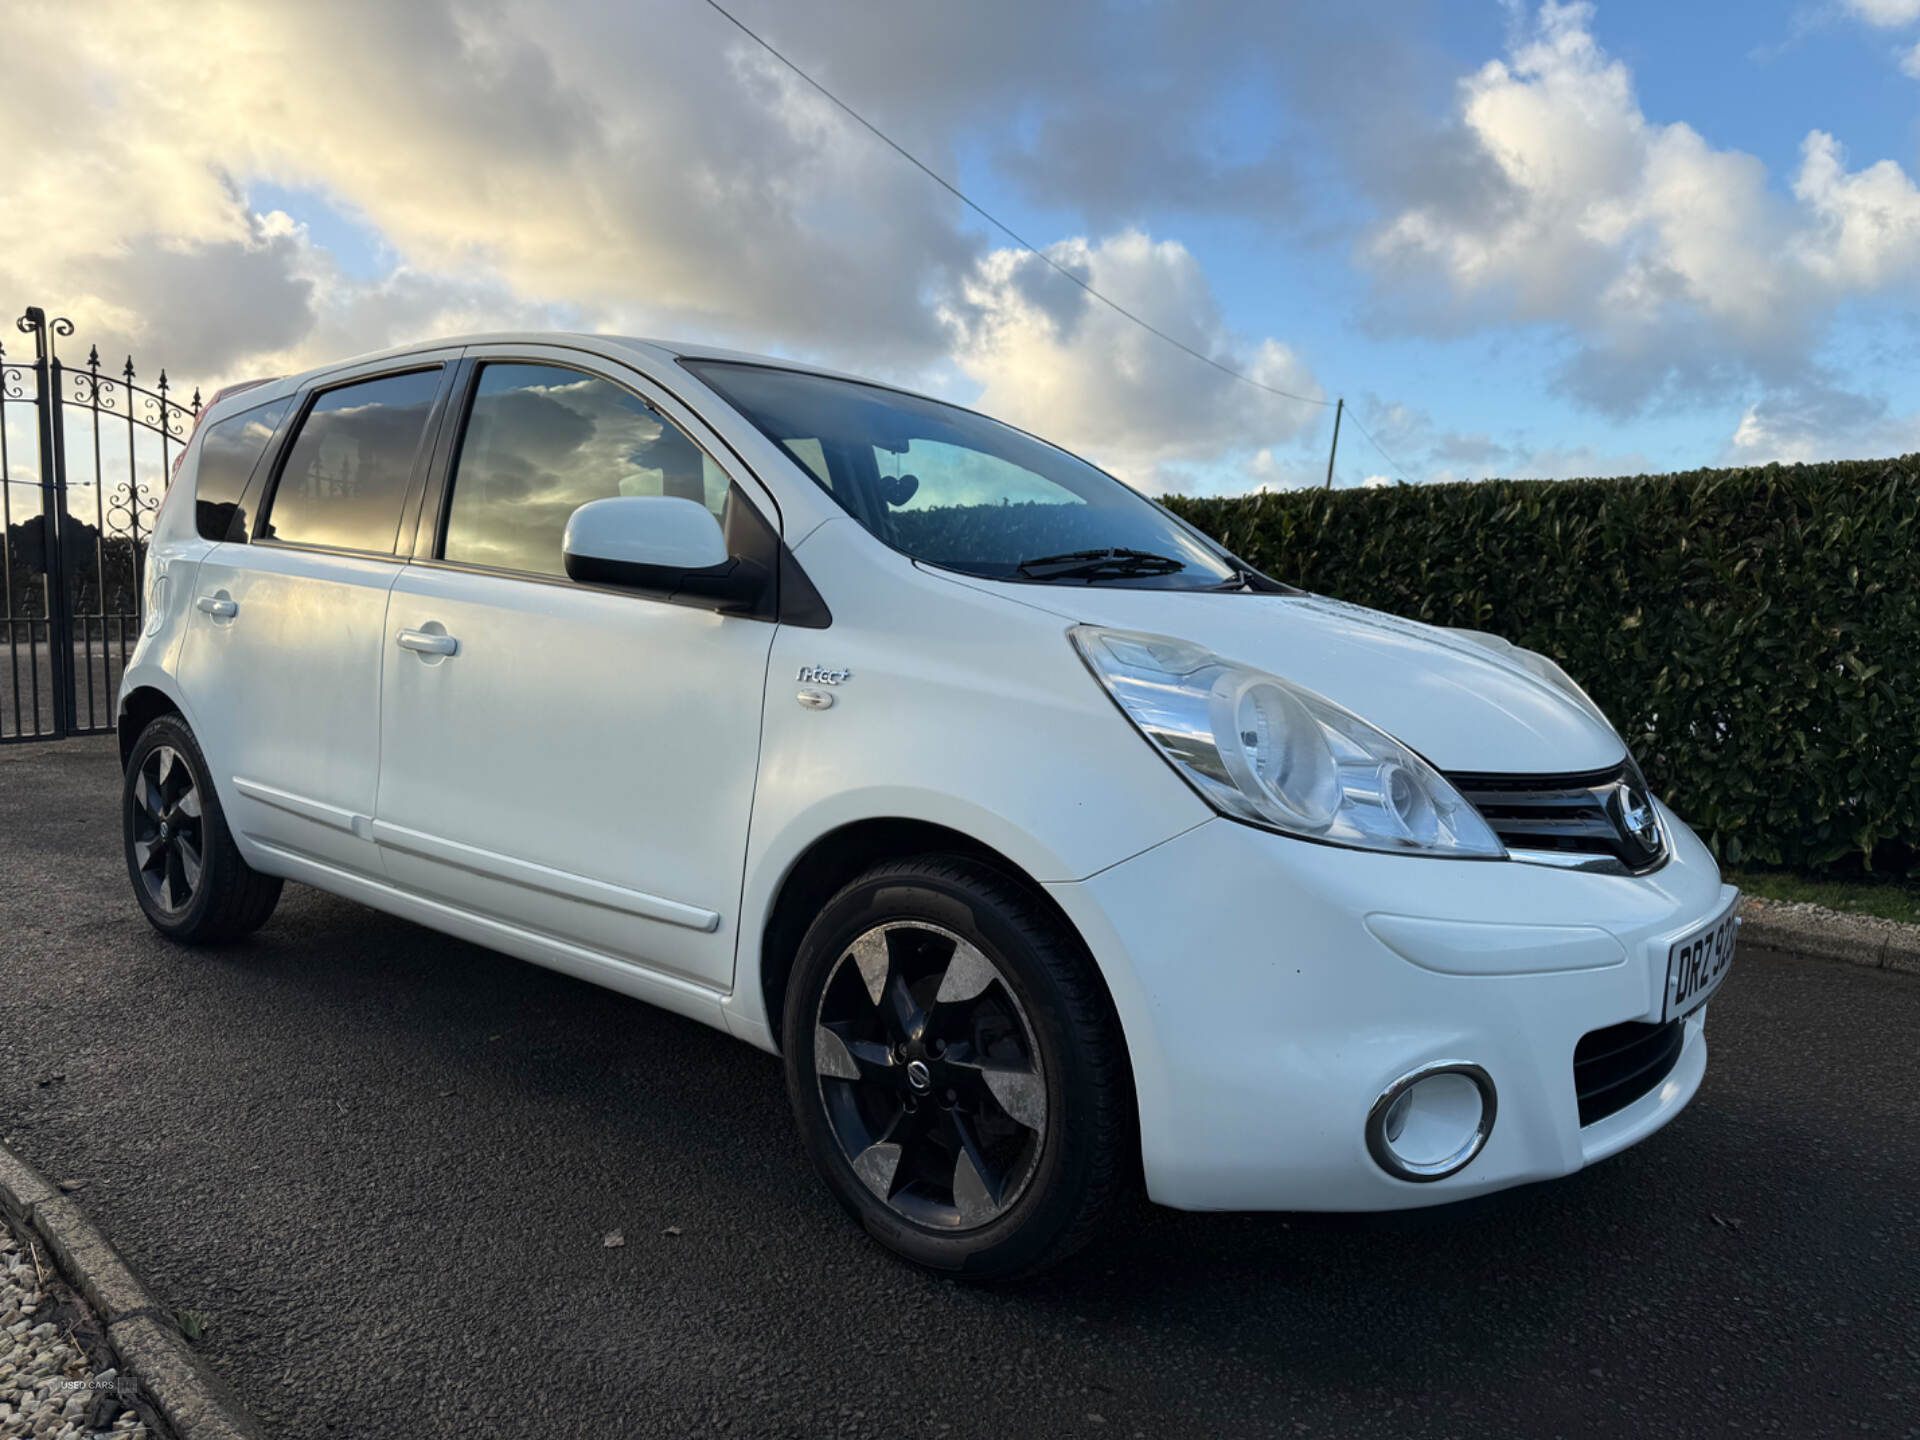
1755,633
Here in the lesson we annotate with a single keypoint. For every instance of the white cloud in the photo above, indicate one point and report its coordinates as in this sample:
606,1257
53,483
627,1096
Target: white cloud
1051,359
1819,420
1671,264
1863,228
632,169
589,164
1910,62
1885,13
683,186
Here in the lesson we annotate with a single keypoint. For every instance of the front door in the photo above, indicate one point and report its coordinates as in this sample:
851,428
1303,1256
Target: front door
576,761
282,657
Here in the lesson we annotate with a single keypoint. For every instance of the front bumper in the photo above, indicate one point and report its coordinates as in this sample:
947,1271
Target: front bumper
1270,989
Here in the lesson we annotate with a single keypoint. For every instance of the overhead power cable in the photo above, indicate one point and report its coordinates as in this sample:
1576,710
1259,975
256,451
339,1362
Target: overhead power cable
1392,463
1003,227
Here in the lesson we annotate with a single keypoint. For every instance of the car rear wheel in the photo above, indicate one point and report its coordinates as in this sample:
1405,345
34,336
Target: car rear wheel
187,874
955,1069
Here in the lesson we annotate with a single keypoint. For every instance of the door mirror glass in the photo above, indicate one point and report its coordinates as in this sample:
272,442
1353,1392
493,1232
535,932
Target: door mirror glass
660,545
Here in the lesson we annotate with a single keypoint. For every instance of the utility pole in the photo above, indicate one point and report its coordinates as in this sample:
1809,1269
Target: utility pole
1342,405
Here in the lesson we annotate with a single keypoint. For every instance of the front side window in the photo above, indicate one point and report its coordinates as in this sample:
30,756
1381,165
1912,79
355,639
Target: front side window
541,441
345,480
228,452
958,490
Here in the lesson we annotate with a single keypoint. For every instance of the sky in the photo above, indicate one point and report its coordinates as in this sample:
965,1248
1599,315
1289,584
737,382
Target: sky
1517,239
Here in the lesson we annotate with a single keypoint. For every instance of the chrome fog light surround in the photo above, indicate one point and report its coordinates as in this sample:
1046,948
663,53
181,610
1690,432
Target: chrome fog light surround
1431,1122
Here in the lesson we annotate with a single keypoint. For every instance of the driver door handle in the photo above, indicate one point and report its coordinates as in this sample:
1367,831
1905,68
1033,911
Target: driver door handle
427,644
221,609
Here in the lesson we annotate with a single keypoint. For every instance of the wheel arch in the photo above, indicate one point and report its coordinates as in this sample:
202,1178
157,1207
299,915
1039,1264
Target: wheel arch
139,708
839,855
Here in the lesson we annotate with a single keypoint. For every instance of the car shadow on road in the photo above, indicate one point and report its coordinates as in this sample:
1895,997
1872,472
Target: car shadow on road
629,1092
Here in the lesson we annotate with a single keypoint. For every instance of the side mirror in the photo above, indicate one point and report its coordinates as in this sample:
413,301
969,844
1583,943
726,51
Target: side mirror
659,545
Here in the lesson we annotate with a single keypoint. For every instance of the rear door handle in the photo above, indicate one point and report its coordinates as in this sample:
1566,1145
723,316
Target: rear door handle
220,609
428,644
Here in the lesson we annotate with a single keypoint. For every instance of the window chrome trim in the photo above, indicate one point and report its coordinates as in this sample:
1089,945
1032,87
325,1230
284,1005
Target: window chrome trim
269,542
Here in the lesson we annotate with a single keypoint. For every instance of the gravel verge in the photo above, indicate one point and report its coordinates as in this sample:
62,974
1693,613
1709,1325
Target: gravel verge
51,1386
112,1329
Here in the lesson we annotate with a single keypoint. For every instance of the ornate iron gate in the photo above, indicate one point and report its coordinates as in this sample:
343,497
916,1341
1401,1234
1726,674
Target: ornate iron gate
84,460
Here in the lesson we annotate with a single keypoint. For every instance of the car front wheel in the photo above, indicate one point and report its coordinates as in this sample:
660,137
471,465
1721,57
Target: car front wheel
955,1069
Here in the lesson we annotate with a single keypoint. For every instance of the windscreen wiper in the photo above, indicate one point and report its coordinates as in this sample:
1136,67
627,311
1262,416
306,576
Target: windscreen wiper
1098,564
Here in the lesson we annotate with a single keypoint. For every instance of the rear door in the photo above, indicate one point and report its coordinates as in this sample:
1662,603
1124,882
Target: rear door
282,659
575,760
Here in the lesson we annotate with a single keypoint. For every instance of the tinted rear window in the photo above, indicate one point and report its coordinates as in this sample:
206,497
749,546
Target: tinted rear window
346,475
228,453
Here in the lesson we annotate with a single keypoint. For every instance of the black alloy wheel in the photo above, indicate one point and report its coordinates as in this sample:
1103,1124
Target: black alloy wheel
956,1068
928,1073
167,838
188,875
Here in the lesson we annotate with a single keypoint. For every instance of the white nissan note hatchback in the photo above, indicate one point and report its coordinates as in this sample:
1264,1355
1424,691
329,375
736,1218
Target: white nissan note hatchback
1042,837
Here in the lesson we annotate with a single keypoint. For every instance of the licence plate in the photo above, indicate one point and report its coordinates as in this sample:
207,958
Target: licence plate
1697,963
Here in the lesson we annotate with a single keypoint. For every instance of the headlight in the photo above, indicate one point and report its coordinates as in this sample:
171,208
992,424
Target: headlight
1266,751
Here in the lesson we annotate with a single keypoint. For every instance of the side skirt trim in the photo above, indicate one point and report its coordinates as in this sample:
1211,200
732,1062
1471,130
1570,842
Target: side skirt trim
320,813
669,992
541,877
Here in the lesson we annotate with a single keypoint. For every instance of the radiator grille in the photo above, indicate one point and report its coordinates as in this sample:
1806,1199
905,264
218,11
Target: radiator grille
1573,815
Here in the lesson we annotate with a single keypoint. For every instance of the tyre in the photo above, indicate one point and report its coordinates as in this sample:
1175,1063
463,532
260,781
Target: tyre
956,1069
187,874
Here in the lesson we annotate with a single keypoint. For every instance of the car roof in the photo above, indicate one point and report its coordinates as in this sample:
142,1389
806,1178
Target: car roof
240,399
653,350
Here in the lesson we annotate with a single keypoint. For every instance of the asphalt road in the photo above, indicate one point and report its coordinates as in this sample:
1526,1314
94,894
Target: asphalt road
381,1163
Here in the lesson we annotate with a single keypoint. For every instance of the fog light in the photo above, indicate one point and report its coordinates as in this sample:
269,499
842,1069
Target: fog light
1431,1122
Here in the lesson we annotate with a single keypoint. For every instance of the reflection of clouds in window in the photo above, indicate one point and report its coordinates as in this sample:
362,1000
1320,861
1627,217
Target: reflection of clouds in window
346,453
542,442
347,473
255,433
228,453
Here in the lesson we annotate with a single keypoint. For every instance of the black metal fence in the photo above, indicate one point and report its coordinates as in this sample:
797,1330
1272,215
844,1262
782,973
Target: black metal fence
85,457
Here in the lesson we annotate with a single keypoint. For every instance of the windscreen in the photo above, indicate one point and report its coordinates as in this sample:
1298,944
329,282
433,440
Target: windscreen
963,492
